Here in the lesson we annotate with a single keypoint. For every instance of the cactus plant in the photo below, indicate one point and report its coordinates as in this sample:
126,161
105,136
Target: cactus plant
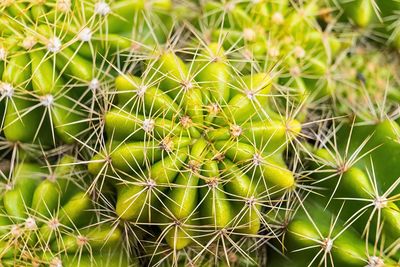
378,20
203,133
355,221
272,35
355,175
47,218
55,62
194,149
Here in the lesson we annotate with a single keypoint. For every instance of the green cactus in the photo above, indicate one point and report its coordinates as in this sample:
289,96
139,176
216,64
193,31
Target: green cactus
203,133
54,57
47,218
378,20
274,36
355,219
355,175
190,152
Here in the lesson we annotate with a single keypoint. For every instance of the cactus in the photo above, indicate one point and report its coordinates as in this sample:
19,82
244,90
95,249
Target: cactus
199,133
355,221
277,37
378,20
373,79
47,218
353,217
193,149
318,236
56,56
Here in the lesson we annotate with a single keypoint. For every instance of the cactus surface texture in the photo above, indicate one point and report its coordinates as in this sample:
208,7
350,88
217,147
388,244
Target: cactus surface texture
216,133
